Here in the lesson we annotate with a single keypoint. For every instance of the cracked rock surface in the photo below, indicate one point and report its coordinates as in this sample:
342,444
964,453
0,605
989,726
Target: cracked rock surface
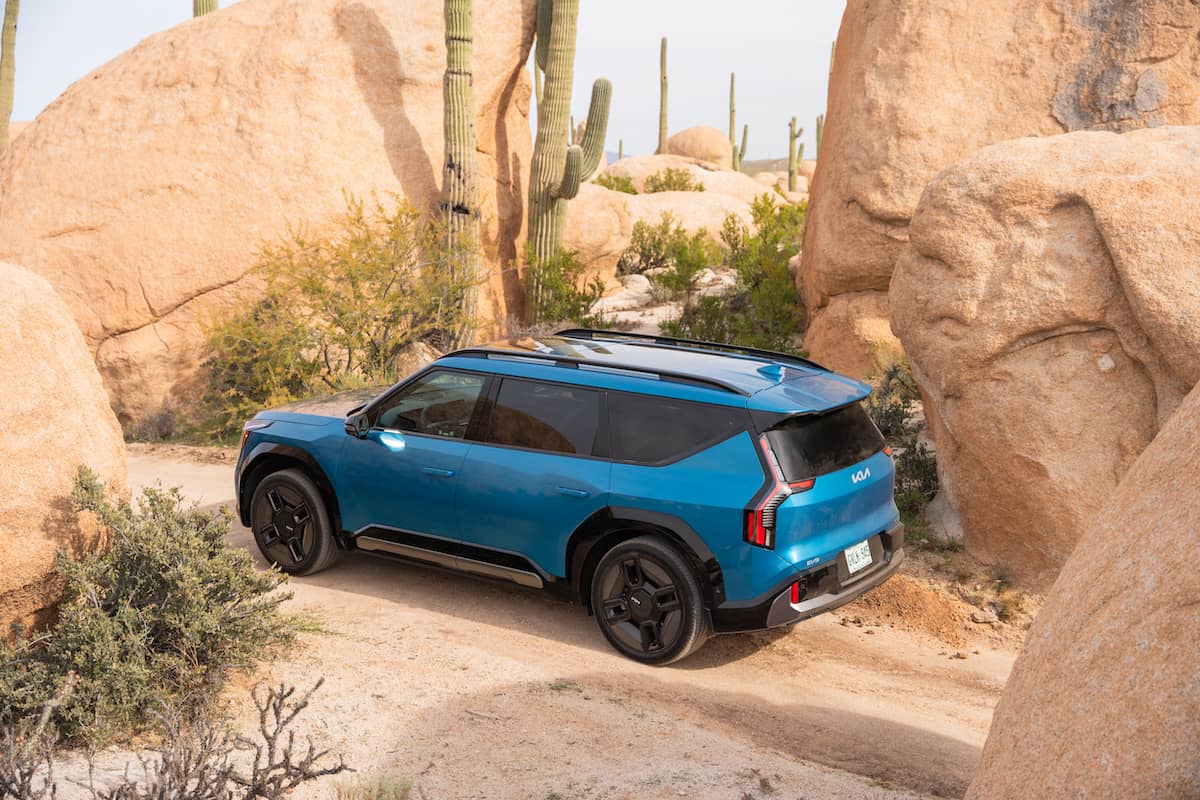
145,191
1050,304
917,86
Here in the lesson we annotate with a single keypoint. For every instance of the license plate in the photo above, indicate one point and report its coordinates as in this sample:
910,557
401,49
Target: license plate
858,557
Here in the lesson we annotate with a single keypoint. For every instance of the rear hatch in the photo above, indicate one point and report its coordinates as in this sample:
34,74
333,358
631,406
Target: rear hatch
834,483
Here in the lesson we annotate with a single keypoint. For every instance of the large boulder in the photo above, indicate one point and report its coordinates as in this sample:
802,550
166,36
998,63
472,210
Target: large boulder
704,143
1104,701
144,192
1050,304
55,416
917,86
599,224
854,335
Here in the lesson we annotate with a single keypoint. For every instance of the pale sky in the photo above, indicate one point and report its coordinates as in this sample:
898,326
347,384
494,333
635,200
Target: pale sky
779,49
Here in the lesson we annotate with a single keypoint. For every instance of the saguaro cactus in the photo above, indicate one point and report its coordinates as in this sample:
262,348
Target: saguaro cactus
558,167
460,173
820,132
662,99
733,119
795,156
739,155
8,66
202,7
620,149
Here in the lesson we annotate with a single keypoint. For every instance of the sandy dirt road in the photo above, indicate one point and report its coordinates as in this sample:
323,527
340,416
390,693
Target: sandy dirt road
473,689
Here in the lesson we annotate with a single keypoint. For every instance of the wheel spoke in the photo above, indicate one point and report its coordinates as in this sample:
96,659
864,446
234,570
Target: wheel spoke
666,599
270,535
634,576
616,610
302,516
651,635
295,550
275,500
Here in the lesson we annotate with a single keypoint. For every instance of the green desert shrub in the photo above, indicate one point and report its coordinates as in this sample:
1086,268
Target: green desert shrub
163,615
557,290
339,311
618,183
665,245
763,311
894,406
672,179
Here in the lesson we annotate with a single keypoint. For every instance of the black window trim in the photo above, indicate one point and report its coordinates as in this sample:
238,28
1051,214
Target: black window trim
747,427
599,443
472,426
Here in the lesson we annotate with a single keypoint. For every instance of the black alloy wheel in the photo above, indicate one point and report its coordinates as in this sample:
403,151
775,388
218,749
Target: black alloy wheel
291,524
647,601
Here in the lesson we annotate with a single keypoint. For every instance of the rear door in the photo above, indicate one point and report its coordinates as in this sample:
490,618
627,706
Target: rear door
539,472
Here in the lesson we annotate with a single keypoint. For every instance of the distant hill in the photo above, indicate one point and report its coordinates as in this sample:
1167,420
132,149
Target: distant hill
764,165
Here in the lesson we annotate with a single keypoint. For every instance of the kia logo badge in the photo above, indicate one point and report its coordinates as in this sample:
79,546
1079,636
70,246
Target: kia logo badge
861,475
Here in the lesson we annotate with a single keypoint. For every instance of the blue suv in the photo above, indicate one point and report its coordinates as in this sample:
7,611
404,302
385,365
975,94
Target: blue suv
676,488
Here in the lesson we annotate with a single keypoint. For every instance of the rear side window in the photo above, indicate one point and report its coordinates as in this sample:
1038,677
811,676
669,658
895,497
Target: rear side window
545,416
809,446
654,430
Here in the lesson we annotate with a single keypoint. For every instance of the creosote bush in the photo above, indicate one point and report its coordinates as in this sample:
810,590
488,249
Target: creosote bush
557,291
665,245
166,613
763,310
339,312
672,179
617,183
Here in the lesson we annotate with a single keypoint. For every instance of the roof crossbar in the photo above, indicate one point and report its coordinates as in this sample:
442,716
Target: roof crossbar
649,340
577,363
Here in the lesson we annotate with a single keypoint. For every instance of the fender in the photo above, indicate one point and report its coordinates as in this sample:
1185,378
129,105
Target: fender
266,450
582,553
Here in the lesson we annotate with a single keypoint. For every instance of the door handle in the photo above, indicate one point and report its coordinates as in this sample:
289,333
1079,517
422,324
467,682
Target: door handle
569,492
440,473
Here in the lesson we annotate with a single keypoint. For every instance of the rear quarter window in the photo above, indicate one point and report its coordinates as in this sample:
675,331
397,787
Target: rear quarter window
658,430
808,446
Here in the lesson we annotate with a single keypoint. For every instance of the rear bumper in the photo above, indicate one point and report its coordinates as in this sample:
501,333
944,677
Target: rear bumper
824,589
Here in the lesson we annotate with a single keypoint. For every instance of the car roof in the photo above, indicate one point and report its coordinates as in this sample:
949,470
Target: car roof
765,380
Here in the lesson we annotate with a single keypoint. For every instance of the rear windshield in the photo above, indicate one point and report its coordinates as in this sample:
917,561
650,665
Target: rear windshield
808,446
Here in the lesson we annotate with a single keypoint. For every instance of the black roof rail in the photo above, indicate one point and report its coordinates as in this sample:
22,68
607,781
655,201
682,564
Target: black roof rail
578,363
649,340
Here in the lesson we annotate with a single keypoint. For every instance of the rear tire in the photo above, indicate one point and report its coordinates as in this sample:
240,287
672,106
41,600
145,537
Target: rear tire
648,602
291,524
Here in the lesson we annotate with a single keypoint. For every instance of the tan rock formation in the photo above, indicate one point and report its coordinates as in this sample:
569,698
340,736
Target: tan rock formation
55,417
1050,304
854,335
917,86
1103,702
705,144
145,190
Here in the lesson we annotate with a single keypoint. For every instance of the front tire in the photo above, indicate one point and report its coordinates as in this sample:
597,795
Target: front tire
648,602
291,524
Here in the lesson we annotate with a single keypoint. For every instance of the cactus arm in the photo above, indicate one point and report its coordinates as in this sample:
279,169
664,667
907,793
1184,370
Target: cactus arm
8,67
202,7
662,100
596,133
741,155
545,23
820,133
573,175
793,166
537,82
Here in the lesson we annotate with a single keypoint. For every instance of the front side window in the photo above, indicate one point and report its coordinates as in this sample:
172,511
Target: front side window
656,430
438,404
544,416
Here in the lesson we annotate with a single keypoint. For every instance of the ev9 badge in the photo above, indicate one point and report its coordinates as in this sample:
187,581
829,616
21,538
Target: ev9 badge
861,475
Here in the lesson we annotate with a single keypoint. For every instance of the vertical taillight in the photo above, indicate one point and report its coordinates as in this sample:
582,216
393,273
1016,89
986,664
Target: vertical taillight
759,527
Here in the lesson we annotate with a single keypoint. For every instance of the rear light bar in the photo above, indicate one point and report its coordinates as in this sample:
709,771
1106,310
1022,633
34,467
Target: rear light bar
759,526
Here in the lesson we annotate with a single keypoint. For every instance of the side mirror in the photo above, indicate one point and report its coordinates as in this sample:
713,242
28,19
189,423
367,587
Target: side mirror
358,425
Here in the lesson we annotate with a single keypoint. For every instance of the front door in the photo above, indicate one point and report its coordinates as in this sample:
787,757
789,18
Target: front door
538,473
403,477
